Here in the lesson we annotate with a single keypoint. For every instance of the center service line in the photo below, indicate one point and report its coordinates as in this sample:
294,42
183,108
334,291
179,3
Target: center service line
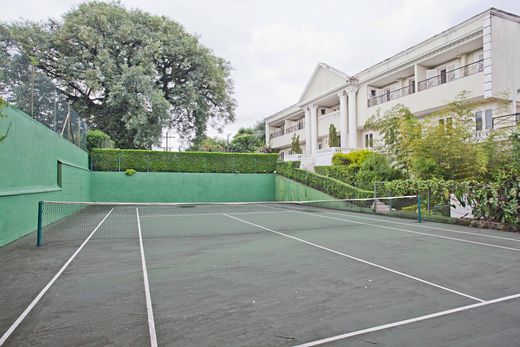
149,309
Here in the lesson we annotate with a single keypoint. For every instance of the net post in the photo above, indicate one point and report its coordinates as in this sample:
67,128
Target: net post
39,234
419,215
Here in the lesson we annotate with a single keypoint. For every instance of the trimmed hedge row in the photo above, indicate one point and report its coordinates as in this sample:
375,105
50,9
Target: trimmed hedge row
159,161
322,183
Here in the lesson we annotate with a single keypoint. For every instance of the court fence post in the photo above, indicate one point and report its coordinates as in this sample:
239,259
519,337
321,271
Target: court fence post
419,215
39,234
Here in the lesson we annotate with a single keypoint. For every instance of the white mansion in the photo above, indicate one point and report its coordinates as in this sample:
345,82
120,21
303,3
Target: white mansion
480,55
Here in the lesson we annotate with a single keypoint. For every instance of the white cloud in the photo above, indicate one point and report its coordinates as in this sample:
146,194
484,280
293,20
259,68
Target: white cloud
274,45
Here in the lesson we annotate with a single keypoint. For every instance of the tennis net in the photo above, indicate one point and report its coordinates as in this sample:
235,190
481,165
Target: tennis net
72,221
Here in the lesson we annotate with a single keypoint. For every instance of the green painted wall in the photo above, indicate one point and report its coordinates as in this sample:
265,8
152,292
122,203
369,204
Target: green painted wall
29,173
181,187
289,190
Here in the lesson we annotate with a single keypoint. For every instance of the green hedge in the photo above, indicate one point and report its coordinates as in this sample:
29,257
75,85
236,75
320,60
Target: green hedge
160,161
322,183
342,173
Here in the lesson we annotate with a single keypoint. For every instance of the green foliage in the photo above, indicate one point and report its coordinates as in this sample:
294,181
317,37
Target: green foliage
322,183
374,167
246,141
354,158
130,172
98,139
342,173
498,201
209,144
398,128
128,72
333,136
295,144
447,153
159,161
436,149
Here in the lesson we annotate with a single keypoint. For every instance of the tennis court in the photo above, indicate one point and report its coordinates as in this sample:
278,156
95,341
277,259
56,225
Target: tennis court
262,274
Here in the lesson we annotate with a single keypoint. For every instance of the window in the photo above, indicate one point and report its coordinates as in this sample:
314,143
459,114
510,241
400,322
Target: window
369,140
443,76
411,86
489,119
478,120
372,92
319,145
281,155
323,111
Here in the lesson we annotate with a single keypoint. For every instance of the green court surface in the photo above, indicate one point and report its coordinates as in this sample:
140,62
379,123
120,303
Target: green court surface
258,275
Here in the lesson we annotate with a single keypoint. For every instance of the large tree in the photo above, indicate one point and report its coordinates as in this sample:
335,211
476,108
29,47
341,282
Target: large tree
129,73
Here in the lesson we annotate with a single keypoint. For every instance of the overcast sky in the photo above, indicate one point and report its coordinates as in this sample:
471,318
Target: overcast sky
274,46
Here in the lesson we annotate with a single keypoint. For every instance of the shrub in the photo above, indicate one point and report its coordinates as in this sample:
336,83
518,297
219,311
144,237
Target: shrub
354,158
98,139
130,172
375,168
322,183
342,173
159,161
499,201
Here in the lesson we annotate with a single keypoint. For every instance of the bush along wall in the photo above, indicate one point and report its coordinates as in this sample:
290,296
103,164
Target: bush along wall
159,161
322,183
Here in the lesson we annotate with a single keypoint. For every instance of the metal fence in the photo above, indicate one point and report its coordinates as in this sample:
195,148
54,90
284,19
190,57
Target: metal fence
35,94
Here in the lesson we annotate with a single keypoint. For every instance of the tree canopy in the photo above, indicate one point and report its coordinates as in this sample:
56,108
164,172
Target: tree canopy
244,140
127,72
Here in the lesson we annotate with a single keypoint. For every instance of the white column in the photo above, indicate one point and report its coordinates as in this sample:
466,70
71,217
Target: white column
307,131
352,142
343,120
314,129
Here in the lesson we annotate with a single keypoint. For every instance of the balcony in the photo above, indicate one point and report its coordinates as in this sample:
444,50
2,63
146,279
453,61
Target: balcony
451,75
391,95
281,132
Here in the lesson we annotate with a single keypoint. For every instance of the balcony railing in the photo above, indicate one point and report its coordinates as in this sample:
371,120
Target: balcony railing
391,95
451,75
294,128
506,121
504,124
281,132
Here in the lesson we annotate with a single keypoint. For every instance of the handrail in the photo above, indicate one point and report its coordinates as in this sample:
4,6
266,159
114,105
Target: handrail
392,95
281,132
451,75
507,120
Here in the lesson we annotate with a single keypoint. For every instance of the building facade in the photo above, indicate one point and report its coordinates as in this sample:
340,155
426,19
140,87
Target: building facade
480,56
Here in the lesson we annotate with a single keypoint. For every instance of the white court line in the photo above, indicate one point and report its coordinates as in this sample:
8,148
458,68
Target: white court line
407,321
51,282
359,259
149,310
206,214
410,231
425,226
